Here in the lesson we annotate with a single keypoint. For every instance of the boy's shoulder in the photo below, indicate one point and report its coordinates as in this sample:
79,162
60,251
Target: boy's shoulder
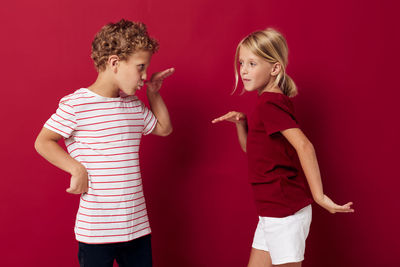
83,97
74,97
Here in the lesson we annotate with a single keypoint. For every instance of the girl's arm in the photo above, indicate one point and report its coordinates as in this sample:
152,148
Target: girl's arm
241,125
47,146
305,151
157,105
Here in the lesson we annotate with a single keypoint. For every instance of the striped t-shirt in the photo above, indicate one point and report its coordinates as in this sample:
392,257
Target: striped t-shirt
104,135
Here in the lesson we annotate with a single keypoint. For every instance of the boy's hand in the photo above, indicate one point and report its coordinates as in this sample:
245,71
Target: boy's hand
332,207
156,80
79,182
233,116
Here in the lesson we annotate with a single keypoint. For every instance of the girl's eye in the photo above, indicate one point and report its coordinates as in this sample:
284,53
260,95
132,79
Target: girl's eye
240,63
252,64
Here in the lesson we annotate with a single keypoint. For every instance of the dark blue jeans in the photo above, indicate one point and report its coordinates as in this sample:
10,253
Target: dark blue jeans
135,253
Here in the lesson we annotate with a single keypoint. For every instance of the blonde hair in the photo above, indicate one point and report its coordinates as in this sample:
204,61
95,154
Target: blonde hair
121,39
270,45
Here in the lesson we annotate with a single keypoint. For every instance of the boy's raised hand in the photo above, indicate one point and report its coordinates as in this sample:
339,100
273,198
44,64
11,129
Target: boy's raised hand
157,78
233,116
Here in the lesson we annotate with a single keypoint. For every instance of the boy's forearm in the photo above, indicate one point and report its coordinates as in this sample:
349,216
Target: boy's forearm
159,109
56,155
309,163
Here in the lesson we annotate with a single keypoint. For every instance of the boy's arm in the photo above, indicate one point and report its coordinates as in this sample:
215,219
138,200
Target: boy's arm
157,104
240,120
47,146
308,159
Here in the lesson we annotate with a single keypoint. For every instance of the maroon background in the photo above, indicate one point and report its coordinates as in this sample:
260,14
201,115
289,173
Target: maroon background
344,58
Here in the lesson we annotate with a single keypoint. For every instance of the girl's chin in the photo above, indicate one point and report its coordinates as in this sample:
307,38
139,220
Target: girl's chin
249,89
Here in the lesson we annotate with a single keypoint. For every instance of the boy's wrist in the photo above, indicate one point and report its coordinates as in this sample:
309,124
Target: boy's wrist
152,93
78,169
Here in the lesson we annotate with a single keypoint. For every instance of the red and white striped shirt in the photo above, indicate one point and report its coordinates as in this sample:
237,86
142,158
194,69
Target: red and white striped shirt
104,135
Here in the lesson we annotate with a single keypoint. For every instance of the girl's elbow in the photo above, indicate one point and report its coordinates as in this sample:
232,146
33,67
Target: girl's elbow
244,148
306,146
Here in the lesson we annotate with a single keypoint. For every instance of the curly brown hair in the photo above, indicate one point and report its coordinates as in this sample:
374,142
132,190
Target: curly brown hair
121,39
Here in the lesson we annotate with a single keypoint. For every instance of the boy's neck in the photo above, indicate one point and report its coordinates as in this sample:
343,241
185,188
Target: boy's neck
104,86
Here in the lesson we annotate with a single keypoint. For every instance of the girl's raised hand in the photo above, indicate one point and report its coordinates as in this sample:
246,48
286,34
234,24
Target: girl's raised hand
332,207
233,116
157,78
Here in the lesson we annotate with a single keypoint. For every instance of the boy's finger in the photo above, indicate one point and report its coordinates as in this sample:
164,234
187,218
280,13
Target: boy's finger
164,74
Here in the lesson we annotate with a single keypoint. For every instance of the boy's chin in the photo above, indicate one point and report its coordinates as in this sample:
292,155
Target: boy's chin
129,92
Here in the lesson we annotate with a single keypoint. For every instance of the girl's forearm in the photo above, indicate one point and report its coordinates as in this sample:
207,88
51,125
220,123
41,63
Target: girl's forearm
309,163
242,134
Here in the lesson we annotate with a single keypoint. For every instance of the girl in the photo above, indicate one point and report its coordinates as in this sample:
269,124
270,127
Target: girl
281,159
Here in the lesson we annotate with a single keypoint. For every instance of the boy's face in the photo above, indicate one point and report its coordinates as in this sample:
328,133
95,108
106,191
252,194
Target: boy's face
131,73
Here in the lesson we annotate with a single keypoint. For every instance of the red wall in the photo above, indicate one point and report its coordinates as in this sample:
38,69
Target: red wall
343,57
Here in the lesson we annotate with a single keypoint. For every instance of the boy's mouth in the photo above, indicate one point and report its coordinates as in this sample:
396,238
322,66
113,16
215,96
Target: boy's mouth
140,85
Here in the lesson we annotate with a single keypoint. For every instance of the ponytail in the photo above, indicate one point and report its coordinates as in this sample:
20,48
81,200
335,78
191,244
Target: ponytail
286,84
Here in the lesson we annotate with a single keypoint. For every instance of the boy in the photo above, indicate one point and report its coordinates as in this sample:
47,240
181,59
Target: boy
102,126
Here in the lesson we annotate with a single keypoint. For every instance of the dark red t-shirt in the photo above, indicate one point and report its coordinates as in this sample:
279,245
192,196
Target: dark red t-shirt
279,184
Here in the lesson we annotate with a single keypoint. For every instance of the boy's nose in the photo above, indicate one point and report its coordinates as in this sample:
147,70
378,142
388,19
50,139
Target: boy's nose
144,76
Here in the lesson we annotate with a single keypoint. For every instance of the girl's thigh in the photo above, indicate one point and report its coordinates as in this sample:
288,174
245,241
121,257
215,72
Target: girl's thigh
259,258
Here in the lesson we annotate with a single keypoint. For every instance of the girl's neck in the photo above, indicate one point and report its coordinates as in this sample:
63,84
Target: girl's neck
271,88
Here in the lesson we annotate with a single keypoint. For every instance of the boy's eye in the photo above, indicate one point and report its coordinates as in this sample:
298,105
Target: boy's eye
141,67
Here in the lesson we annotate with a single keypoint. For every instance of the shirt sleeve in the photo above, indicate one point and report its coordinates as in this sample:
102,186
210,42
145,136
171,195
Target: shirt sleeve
149,120
276,118
63,121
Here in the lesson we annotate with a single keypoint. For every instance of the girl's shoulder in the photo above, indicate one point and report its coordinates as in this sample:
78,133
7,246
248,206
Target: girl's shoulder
268,99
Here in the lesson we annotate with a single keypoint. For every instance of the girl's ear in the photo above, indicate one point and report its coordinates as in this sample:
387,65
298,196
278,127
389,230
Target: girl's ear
113,62
276,69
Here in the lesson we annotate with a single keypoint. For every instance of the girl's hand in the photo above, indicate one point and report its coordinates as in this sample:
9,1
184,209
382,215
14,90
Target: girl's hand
332,207
233,116
79,182
156,80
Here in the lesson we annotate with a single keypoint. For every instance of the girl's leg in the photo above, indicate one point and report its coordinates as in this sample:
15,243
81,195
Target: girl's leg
259,258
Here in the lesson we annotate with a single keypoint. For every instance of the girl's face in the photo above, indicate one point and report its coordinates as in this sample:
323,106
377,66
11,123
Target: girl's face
131,73
254,71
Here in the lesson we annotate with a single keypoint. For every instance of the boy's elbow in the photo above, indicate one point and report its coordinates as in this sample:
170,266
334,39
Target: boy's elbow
163,131
38,145
167,131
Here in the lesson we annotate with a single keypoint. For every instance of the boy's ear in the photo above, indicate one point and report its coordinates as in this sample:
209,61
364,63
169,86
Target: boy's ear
276,69
113,62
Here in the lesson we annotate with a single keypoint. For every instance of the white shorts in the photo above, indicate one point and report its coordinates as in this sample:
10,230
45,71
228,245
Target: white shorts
284,238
